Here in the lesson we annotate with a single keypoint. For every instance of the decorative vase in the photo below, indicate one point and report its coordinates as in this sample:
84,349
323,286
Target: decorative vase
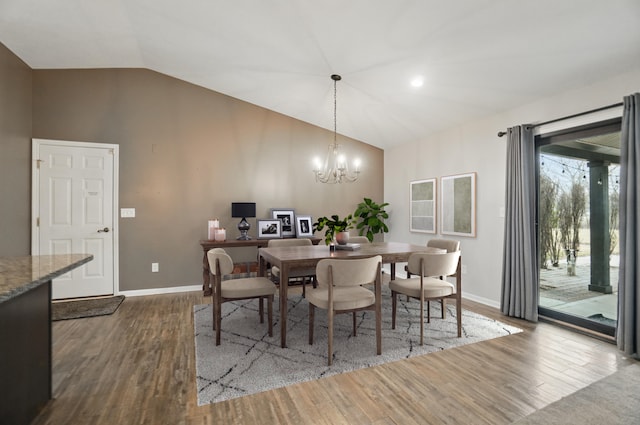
342,238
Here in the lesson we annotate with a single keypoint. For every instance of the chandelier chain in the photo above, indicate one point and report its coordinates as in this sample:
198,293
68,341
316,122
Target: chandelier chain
335,110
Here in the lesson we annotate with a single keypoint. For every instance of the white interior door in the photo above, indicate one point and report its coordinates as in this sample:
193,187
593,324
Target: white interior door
74,206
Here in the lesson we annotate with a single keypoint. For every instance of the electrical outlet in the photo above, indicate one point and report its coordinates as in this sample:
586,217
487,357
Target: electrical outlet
127,212
155,267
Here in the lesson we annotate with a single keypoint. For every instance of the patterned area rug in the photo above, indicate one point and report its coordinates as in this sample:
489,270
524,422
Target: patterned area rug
249,361
76,309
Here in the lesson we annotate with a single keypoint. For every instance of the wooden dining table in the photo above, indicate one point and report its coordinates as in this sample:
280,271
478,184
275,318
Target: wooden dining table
305,257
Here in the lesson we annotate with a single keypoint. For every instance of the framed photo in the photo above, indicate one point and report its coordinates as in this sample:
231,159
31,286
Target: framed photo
423,206
287,216
304,226
458,198
269,229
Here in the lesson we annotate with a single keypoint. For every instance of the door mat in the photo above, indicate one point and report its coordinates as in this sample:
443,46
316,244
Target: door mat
90,307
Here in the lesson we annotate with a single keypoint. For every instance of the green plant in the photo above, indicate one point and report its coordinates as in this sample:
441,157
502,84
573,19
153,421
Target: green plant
371,216
334,225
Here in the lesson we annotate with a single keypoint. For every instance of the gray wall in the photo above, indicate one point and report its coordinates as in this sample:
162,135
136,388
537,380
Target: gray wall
15,155
186,153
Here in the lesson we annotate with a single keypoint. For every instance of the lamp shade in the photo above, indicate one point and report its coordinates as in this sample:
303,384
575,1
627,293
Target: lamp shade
243,209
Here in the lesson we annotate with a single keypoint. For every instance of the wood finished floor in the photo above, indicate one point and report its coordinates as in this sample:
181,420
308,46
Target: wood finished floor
137,366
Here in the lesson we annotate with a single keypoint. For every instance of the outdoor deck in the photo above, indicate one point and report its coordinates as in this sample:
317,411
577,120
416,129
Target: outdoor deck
570,294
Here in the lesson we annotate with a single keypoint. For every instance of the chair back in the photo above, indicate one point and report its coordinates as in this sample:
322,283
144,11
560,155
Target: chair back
226,263
349,272
448,244
358,239
429,264
289,242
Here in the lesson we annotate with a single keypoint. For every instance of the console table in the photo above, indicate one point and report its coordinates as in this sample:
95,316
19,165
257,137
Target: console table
233,243
25,332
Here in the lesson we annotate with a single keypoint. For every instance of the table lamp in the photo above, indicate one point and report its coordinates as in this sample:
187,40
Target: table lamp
243,210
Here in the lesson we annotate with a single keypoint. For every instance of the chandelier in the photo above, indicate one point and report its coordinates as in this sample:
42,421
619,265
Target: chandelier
335,168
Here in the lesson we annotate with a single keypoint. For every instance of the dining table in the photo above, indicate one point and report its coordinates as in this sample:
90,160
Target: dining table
304,257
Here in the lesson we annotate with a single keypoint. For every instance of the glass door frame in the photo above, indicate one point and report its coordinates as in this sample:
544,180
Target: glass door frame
588,130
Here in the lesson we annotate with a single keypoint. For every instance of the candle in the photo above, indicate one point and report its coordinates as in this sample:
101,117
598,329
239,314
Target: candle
220,235
213,225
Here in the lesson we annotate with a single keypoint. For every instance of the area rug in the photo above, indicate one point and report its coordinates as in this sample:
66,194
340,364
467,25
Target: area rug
249,361
613,400
90,307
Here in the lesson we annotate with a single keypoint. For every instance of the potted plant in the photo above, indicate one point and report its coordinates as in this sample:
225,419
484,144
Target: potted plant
371,218
334,226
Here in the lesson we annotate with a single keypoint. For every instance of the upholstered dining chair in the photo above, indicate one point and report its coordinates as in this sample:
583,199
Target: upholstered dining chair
358,239
304,275
450,245
429,285
340,290
262,288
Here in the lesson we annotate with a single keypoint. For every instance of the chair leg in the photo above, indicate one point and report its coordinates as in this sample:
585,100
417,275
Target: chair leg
443,305
378,327
311,316
393,309
261,308
330,335
213,310
218,319
354,323
269,313
428,312
459,314
304,286
421,320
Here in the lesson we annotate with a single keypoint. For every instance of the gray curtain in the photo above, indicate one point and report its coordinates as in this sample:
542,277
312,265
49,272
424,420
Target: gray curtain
520,264
628,331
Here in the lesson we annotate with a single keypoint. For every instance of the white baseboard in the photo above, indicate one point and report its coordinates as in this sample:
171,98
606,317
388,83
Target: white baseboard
192,288
481,300
160,291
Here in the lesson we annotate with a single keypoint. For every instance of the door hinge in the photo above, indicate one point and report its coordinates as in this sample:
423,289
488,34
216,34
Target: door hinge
39,161
111,151
38,222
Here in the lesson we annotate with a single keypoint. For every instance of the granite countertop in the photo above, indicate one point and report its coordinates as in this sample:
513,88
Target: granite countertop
21,274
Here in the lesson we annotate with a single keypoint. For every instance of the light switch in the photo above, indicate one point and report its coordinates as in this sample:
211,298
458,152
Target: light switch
127,212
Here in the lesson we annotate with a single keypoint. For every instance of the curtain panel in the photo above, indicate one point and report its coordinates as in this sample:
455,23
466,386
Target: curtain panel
519,296
628,330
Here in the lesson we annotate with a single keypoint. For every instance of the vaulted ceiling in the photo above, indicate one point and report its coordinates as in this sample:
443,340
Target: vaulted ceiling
476,57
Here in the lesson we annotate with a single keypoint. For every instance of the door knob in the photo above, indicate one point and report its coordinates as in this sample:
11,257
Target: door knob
105,230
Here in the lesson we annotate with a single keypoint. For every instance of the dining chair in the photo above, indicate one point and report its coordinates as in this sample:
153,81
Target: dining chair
262,288
450,245
296,276
429,285
340,290
358,239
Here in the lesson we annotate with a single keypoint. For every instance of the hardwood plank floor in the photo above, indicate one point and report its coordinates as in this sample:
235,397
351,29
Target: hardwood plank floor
137,366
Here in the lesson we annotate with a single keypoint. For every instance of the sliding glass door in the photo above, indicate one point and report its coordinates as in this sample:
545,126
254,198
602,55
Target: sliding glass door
578,183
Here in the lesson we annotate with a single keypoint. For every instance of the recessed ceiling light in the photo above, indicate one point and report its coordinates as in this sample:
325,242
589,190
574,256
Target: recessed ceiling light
417,82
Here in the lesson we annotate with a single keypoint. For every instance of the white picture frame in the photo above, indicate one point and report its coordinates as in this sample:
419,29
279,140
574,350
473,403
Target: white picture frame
269,228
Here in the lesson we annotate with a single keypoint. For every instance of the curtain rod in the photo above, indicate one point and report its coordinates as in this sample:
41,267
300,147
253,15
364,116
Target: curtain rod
615,105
